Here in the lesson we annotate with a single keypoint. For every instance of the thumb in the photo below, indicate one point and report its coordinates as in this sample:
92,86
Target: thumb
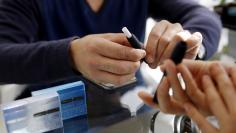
119,38
194,42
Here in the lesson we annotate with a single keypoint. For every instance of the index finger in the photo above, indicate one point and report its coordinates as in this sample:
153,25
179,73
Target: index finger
166,102
119,38
194,93
178,91
116,51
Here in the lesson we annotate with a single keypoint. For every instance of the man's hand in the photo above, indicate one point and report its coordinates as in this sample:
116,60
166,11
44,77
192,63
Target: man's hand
106,58
162,40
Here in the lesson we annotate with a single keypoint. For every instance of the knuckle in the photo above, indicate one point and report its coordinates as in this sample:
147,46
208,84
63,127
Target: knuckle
91,47
164,22
164,40
177,25
214,65
155,33
213,68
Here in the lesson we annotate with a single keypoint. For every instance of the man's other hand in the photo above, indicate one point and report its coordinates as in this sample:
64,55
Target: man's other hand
163,39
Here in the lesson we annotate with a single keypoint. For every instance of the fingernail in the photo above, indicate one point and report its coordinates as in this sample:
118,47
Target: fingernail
198,36
195,37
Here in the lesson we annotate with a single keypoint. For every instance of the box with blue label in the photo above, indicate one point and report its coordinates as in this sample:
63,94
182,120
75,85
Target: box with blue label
32,115
72,97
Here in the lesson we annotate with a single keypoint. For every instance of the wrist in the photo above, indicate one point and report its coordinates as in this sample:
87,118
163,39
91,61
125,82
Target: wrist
72,50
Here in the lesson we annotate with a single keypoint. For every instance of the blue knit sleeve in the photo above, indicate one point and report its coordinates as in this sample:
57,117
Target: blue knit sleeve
24,59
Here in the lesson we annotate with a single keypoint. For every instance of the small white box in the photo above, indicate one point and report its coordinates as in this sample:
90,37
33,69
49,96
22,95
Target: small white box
32,115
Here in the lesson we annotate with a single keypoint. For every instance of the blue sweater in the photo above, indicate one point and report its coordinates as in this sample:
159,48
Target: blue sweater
35,35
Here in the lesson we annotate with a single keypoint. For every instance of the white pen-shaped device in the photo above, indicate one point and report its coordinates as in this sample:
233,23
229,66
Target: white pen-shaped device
135,43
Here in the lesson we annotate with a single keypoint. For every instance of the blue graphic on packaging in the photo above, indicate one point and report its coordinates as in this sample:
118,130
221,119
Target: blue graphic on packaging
72,97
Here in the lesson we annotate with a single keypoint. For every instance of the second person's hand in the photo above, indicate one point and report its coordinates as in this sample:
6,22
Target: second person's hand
219,88
164,37
174,104
192,73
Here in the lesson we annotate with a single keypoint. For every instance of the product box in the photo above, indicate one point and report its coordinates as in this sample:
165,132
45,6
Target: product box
72,98
32,115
